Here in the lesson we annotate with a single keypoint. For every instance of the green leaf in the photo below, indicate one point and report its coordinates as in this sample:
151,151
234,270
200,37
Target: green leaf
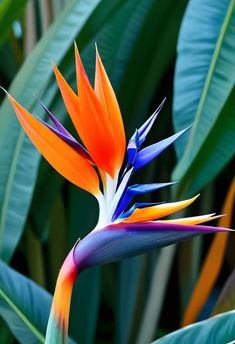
142,76
23,305
217,330
10,10
19,160
5,334
217,150
204,78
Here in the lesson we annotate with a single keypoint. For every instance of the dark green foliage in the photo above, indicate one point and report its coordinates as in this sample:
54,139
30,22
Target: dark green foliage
137,41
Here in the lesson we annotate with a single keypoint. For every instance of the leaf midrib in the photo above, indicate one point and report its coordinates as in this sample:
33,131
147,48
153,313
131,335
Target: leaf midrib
27,322
209,77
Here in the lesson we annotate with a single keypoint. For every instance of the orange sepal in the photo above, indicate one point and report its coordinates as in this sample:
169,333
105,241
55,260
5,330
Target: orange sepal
106,95
57,152
94,126
157,211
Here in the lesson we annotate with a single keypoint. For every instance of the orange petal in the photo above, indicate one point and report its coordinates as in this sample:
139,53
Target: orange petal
57,152
94,126
212,263
194,220
106,95
158,211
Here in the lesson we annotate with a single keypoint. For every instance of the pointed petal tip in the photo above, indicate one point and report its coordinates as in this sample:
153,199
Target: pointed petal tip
195,197
99,63
189,127
193,220
53,63
161,105
76,50
220,215
55,68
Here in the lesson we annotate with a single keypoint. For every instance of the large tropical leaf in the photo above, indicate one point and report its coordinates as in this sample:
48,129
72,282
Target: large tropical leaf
204,78
217,150
217,330
19,160
23,305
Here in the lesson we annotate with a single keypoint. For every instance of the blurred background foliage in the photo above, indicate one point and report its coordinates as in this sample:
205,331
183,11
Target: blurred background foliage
147,48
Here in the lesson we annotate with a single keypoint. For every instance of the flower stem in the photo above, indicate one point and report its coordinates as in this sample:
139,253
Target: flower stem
57,328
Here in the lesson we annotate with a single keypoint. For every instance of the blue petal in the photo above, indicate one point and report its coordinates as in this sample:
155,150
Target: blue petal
145,128
116,242
132,148
139,136
133,190
135,206
57,124
149,153
138,189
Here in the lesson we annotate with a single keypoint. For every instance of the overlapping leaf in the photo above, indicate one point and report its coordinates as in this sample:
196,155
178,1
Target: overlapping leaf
23,305
217,330
204,78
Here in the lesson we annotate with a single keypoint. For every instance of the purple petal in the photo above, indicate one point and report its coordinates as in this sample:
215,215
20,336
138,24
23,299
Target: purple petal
133,190
63,133
58,125
149,153
116,242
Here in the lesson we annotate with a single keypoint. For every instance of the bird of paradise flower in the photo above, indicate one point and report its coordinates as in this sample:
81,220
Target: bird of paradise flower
97,167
